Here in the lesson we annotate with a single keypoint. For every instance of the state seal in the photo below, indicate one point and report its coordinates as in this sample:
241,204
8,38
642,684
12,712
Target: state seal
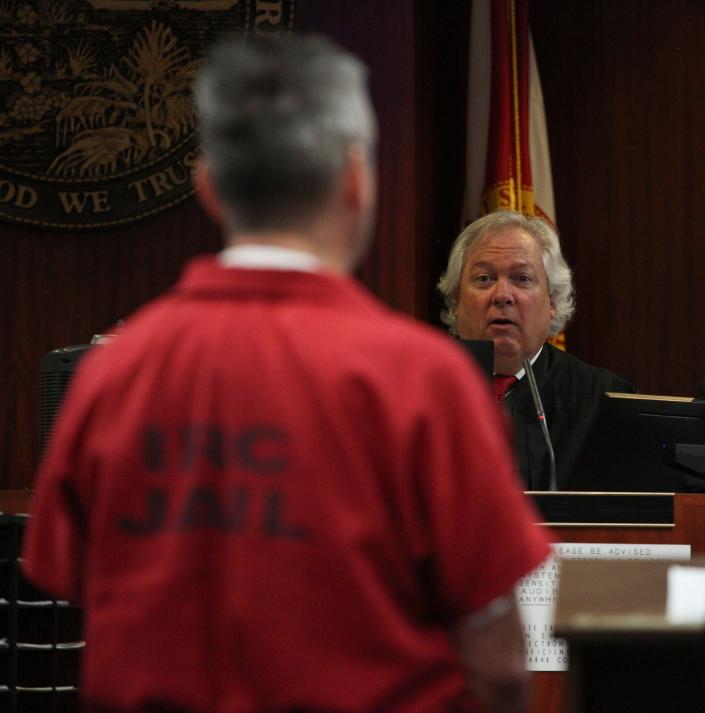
97,118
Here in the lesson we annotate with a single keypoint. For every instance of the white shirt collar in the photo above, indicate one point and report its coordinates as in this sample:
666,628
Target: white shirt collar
268,257
520,374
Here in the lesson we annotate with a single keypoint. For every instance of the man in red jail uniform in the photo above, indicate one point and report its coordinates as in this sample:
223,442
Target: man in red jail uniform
270,493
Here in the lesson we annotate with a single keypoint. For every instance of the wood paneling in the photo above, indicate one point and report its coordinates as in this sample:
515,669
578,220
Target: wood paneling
382,35
14,502
62,288
624,88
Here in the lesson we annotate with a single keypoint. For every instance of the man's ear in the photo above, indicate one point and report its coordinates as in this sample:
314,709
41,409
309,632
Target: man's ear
358,180
205,192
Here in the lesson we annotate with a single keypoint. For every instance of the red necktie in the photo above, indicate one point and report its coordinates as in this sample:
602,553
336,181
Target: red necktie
502,384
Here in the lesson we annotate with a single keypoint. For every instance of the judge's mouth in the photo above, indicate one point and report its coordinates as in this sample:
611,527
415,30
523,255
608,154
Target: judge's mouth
502,322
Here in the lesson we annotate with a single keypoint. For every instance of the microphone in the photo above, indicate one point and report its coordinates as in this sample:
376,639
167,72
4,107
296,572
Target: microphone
542,422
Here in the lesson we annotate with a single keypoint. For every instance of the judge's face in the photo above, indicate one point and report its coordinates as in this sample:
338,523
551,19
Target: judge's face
503,296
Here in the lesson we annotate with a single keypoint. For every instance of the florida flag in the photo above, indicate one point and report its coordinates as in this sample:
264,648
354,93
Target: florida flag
508,160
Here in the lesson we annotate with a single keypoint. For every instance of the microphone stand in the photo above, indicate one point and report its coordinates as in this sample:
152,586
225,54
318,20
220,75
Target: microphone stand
542,422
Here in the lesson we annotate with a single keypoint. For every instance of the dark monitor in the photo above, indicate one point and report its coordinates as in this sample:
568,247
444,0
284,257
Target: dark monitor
482,351
56,370
642,443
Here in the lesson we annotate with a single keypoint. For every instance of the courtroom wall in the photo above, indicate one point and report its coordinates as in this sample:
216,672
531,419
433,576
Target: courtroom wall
624,86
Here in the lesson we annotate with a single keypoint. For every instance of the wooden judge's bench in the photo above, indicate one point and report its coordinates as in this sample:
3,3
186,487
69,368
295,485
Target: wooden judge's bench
639,519
40,639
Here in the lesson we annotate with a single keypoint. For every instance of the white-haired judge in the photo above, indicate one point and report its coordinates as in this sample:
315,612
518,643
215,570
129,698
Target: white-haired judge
507,281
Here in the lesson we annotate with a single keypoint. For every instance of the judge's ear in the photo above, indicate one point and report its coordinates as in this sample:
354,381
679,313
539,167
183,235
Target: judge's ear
206,193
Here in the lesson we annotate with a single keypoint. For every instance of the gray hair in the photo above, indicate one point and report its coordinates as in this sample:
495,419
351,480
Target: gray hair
560,279
277,118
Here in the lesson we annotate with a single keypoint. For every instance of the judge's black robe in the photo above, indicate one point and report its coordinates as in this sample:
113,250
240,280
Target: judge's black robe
571,391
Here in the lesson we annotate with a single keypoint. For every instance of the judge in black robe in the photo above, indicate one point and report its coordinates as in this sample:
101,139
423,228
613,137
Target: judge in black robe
570,391
507,281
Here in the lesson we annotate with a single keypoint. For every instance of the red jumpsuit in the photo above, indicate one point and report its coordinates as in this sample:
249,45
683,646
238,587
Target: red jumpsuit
272,493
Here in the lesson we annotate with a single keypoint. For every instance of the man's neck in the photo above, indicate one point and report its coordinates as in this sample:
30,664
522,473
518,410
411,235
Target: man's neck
327,254
268,257
515,368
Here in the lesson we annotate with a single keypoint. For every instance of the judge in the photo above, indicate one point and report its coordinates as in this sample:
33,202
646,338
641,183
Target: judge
508,282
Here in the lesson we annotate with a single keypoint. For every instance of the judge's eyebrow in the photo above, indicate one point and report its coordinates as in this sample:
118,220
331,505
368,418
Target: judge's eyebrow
484,265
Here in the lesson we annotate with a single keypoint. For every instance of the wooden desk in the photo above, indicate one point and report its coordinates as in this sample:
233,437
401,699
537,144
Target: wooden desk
549,687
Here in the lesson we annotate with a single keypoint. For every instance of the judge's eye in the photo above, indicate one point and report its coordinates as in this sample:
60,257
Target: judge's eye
523,279
482,279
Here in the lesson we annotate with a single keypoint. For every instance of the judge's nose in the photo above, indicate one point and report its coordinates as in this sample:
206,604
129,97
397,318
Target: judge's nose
502,293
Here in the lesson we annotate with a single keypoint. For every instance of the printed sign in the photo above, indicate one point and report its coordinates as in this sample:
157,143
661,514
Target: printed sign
537,594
